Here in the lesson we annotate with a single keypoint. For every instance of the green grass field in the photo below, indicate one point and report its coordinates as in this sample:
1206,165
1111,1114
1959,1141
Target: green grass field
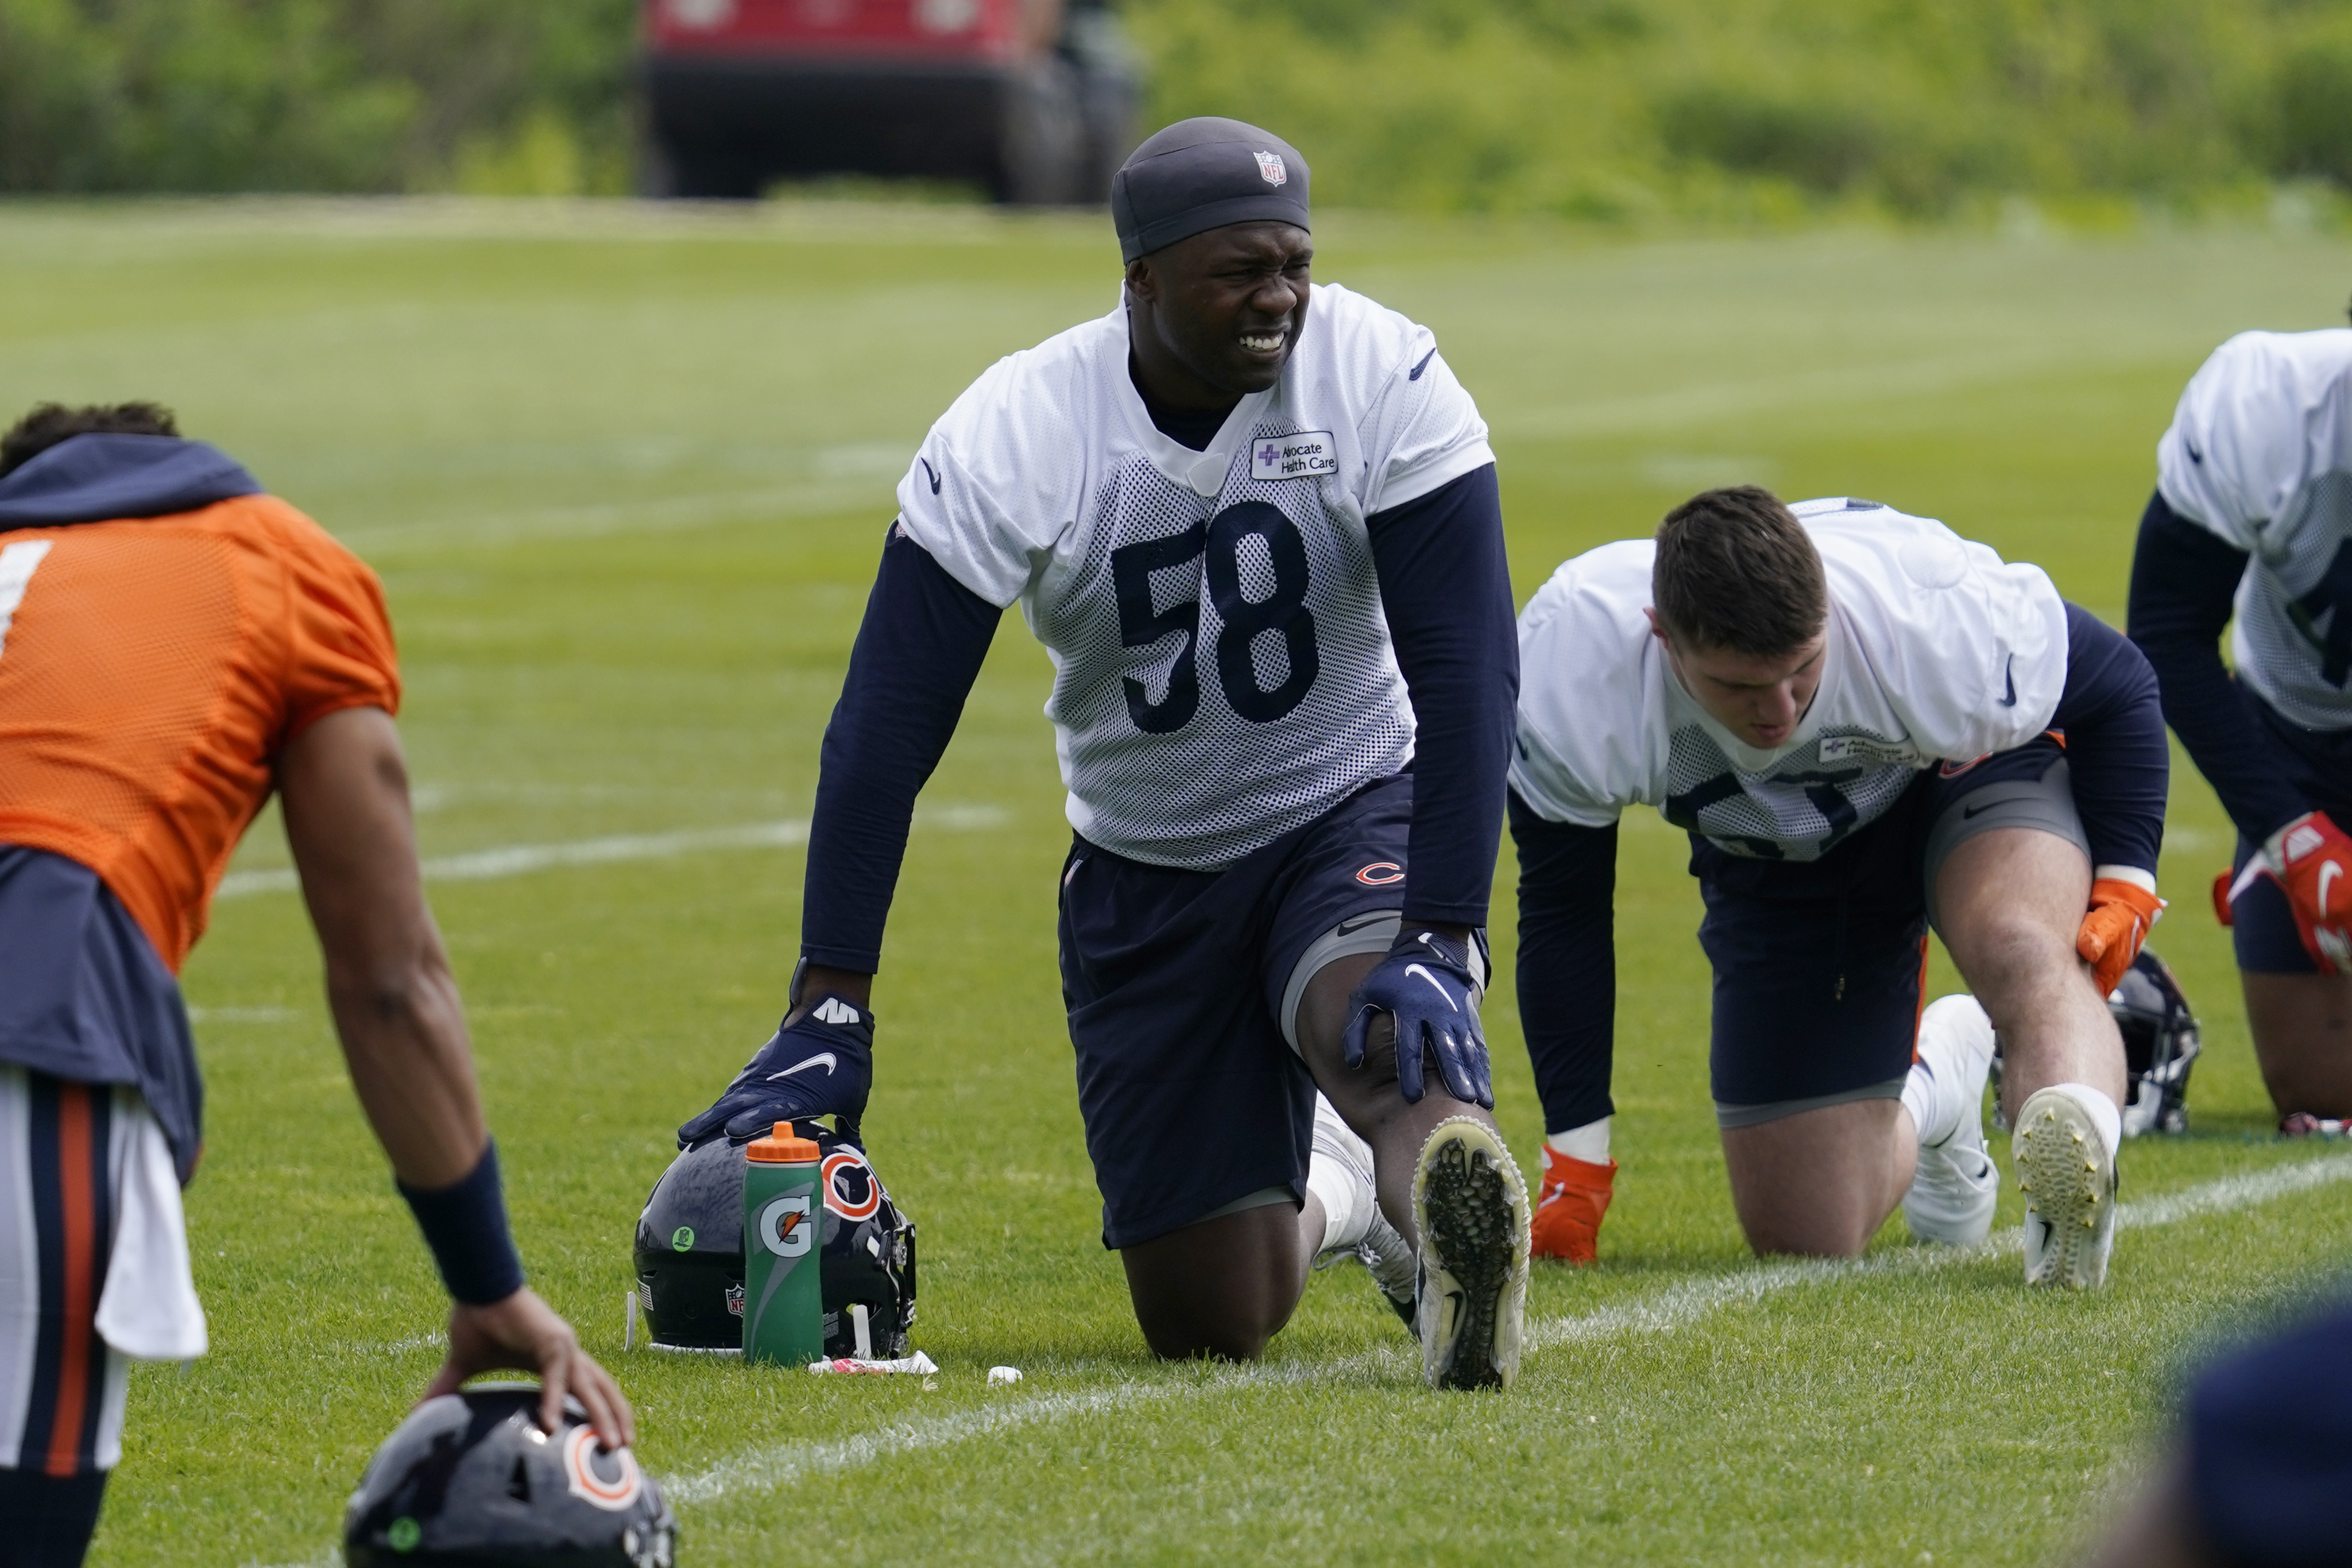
626,477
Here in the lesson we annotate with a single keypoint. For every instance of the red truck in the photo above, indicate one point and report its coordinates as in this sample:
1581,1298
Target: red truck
1034,100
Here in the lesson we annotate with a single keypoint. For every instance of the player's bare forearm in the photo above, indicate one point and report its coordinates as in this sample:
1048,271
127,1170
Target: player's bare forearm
345,789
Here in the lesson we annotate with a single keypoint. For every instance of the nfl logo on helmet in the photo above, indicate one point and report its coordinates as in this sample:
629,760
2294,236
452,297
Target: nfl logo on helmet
1270,169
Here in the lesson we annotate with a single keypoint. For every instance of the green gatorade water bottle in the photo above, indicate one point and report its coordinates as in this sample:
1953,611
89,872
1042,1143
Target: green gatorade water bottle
783,1280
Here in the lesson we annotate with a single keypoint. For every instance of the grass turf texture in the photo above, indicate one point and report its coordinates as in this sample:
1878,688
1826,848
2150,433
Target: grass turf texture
626,479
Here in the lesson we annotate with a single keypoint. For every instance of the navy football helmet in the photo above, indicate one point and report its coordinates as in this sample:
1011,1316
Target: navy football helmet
470,1480
2160,1045
689,1252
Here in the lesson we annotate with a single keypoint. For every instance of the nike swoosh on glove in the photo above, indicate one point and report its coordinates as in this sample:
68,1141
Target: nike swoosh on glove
2111,933
1427,984
821,1066
2312,858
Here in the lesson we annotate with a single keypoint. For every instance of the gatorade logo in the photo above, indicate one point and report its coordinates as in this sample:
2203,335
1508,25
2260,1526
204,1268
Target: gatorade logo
784,1228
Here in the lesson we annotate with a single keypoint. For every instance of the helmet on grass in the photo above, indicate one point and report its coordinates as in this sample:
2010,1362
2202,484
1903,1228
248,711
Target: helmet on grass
689,1252
469,1479
2160,1045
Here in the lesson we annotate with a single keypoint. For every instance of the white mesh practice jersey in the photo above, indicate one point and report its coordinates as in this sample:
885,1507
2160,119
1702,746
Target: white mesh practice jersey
1937,651
2260,453
1221,667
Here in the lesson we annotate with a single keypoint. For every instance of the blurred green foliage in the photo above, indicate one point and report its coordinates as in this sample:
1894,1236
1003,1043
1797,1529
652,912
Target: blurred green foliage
511,95
1595,108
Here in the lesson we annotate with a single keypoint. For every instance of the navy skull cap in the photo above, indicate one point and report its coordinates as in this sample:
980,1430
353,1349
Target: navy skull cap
1201,174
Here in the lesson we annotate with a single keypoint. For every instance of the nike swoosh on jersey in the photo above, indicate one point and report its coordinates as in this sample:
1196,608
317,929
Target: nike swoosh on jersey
1968,811
2190,447
824,1058
933,472
2009,673
1357,923
2327,873
1435,984
1422,366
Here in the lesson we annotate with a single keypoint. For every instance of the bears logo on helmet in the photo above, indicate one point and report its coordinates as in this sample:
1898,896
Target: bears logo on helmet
469,1478
692,1296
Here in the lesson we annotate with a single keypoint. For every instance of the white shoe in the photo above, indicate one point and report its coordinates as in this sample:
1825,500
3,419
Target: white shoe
2069,1181
1365,1236
1471,1205
1957,1185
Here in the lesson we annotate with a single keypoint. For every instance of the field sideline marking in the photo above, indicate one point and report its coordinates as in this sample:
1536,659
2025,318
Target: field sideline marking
1676,1307
514,859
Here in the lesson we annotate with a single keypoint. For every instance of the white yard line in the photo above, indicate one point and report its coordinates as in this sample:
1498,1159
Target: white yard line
515,860
1674,1308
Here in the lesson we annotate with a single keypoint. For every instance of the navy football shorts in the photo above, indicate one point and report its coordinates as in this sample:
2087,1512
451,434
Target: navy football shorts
2319,764
1820,967
1177,982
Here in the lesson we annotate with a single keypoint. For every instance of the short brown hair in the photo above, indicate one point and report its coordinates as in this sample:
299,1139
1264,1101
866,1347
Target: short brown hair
1736,571
52,423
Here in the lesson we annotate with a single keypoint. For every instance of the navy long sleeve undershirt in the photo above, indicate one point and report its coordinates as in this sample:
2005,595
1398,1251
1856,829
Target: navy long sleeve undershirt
1446,589
2115,752
1567,970
2184,586
918,652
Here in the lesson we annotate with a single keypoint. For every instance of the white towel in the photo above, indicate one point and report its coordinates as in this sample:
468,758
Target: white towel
149,1310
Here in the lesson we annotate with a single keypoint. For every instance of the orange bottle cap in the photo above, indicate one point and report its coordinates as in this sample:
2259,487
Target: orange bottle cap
780,1147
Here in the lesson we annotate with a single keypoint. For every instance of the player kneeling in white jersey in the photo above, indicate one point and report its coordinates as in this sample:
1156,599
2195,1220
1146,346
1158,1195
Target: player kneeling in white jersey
1867,724
2250,527
1255,524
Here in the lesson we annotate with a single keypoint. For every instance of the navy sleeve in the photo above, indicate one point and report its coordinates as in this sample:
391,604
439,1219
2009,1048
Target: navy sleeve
1568,962
2115,750
2183,585
2269,1448
918,652
1445,588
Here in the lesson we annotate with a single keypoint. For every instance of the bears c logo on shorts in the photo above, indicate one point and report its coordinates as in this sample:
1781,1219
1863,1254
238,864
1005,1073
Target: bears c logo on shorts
1380,873
1954,769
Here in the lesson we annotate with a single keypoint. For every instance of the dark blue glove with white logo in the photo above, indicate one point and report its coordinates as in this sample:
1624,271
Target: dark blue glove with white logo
821,1066
1429,985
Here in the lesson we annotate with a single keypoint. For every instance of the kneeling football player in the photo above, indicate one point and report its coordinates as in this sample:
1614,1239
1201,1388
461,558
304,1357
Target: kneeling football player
1867,725
1254,521
173,645
2251,528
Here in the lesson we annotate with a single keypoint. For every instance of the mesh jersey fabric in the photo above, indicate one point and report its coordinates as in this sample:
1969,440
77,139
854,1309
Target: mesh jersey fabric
2259,453
1937,651
150,671
1222,669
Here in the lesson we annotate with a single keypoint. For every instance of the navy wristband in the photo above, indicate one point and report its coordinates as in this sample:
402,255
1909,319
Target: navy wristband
464,1224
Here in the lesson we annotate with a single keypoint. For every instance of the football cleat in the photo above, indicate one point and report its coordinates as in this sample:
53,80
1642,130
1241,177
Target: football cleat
1569,1205
2069,1181
1955,1187
1471,1205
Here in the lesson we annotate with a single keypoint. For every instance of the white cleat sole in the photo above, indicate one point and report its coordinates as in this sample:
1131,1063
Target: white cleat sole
1471,1205
2070,1193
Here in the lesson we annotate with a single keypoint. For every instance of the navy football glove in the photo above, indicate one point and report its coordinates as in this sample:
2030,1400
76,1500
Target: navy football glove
1428,984
821,1066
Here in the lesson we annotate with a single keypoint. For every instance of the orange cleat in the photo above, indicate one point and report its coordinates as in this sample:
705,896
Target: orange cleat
1574,1197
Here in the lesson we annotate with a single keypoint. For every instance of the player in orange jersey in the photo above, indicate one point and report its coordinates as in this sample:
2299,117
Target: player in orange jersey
173,644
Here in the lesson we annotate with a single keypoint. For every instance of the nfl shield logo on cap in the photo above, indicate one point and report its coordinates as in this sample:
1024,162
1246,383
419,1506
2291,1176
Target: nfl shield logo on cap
1270,169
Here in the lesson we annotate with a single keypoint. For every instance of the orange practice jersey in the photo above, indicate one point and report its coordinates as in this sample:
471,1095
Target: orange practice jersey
152,668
